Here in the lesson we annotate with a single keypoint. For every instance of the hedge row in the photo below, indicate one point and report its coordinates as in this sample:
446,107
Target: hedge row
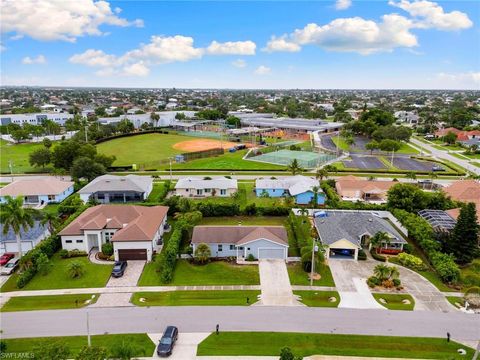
421,231
168,257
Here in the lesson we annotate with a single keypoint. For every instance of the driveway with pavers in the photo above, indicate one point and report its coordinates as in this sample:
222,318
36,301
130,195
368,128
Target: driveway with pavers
130,277
350,277
275,284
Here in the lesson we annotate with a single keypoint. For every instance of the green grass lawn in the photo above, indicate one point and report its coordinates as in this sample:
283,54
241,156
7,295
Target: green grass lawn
140,342
213,273
49,302
228,161
319,298
340,143
141,149
270,344
193,298
245,220
394,301
456,299
470,274
18,154
299,277
95,276
156,190
407,149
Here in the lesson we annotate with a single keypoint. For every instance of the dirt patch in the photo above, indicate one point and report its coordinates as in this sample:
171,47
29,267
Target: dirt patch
202,144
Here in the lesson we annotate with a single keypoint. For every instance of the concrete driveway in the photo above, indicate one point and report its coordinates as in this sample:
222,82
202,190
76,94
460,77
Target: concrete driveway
275,284
350,277
130,277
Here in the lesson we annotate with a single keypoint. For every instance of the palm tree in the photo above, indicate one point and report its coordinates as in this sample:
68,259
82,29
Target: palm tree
433,175
330,169
154,117
304,211
315,190
294,167
411,175
379,239
51,219
382,272
16,218
394,273
321,173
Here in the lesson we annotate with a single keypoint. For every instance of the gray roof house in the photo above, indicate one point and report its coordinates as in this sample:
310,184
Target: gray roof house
29,238
204,187
263,242
107,189
346,232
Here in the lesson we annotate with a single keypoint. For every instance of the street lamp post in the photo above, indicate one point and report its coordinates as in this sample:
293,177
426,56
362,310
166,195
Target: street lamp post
312,267
88,331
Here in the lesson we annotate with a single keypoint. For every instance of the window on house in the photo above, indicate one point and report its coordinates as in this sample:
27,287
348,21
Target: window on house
108,236
232,247
223,192
219,247
208,190
68,241
51,197
79,241
199,191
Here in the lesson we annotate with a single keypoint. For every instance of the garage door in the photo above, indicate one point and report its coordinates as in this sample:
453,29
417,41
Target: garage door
132,254
342,254
273,253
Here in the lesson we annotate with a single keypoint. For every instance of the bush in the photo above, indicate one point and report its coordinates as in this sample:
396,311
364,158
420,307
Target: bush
407,248
445,266
63,253
376,256
273,210
209,209
43,264
362,255
76,269
250,257
168,257
411,261
373,281
396,282
473,290
202,253
25,277
250,209
388,283
107,249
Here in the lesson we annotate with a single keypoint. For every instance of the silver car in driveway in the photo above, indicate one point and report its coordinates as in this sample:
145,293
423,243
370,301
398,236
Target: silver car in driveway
10,267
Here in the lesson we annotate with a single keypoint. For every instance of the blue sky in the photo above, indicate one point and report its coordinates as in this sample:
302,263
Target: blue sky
348,44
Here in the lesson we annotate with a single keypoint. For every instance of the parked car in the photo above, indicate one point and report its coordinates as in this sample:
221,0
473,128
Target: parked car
119,268
437,168
167,342
5,258
10,266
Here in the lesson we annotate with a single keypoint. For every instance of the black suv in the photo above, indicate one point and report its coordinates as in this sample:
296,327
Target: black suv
119,268
165,346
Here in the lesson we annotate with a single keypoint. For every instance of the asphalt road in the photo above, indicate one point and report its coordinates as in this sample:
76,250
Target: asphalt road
461,326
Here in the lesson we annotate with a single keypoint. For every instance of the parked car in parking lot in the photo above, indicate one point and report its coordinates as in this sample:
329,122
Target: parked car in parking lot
119,268
5,258
10,266
167,342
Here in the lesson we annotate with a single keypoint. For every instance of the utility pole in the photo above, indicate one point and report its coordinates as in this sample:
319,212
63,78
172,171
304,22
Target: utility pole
10,165
88,331
86,134
314,248
170,160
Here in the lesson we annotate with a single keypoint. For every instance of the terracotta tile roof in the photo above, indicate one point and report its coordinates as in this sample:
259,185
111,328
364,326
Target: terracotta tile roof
32,187
136,223
238,234
443,132
465,191
352,183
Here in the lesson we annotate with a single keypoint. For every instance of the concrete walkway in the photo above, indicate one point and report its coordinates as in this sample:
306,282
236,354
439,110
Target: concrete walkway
275,284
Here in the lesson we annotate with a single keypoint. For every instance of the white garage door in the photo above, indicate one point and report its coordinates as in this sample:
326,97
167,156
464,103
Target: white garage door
271,253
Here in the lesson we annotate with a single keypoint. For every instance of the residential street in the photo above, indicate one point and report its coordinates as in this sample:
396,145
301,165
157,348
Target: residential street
465,327
444,155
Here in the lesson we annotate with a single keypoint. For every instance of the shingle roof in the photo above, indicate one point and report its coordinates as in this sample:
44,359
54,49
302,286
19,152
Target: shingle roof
136,223
200,183
352,183
32,187
294,184
350,225
118,183
238,234
31,233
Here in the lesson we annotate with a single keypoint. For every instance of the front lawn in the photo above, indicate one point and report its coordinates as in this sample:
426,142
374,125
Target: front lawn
299,277
318,298
270,344
58,278
194,298
213,273
49,302
456,300
141,343
395,301
245,220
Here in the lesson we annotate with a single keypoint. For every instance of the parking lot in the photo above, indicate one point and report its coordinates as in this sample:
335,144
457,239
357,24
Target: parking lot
364,162
405,163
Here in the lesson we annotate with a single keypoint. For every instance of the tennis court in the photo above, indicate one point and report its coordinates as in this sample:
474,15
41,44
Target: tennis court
306,159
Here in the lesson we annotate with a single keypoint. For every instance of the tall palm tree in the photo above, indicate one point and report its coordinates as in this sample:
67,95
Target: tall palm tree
154,117
294,167
379,239
315,190
51,219
321,173
16,218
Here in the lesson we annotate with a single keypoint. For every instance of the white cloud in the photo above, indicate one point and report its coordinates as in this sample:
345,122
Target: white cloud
431,15
2,47
239,63
232,48
94,58
59,20
343,4
460,80
359,35
136,69
40,59
262,70
281,44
